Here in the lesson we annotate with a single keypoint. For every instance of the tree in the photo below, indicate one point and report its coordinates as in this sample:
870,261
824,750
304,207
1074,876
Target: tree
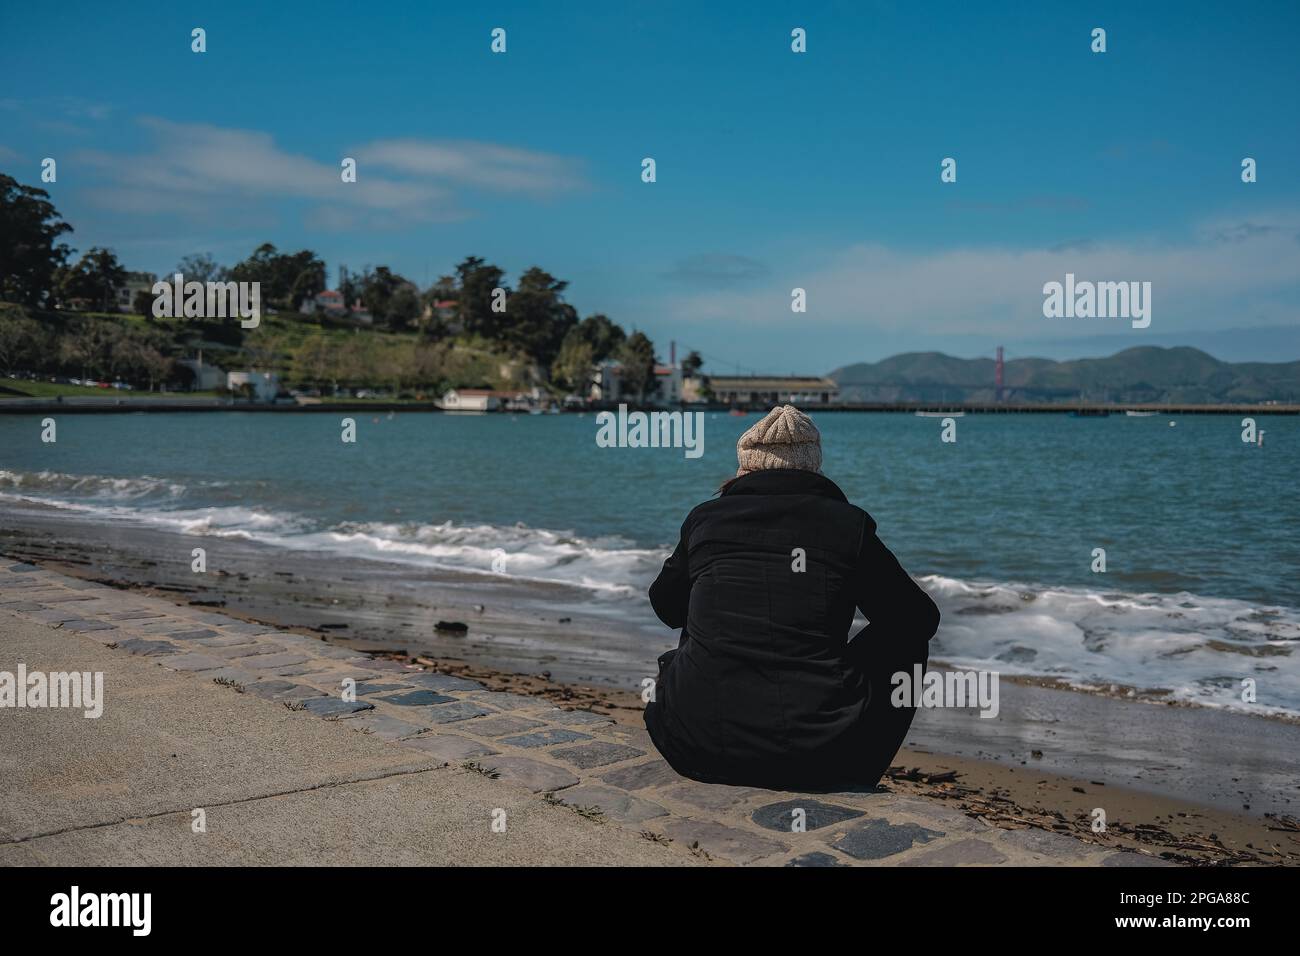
637,356
30,254
349,288
382,292
539,318
142,303
474,304
22,342
572,367
89,347
403,307
605,336
95,278
201,267
692,364
285,279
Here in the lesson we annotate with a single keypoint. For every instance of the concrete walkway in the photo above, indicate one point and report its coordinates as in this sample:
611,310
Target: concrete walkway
250,725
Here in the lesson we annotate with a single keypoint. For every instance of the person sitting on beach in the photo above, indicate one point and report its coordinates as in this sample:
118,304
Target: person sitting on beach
764,687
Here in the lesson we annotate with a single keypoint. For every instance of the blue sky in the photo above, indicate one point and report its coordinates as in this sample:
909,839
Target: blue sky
776,170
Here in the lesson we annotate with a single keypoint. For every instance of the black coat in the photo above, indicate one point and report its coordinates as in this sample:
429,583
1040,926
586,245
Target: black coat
762,688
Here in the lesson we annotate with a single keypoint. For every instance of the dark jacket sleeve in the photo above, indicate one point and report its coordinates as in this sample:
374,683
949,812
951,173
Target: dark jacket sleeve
672,589
893,603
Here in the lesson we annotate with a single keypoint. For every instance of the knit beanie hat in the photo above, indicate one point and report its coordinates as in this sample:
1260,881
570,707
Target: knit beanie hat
784,438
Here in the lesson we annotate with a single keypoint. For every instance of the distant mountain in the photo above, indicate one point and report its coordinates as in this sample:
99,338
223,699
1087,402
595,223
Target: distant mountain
1143,374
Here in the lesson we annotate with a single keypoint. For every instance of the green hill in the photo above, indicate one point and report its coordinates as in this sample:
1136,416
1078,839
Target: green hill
1142,374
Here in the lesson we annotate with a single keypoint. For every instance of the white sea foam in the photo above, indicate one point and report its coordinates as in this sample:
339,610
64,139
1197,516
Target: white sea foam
98,486
1187,647
1196,649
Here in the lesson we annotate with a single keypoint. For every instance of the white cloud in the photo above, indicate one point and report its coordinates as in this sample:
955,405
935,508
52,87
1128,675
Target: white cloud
480,165
200,170
1221,271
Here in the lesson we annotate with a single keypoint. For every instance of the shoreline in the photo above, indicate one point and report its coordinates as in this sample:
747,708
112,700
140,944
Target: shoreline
22,405
1191,771
1007,798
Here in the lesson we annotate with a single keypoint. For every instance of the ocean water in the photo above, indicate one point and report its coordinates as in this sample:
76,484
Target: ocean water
1201,531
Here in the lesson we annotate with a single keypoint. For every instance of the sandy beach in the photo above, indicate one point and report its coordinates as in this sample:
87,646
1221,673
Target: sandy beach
1192,784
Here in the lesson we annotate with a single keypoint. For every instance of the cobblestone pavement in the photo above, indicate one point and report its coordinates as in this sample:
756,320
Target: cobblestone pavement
606,772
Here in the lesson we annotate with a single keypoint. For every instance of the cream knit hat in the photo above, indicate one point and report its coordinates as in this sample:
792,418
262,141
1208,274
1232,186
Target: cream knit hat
784,438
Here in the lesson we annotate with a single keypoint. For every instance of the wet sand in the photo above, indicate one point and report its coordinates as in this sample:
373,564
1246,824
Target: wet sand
1203,785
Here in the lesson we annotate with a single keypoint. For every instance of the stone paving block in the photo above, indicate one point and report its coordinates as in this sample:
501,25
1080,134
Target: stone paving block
21,605
458,710
416,698
383,726
596,754
503,700
577,718
1125,858
781,816
245,628
282,690
140,645
929,813
194,662
544,738
191,635
235,651
1045,843
249,649
378,687
296,670
156,627
226,640
23,568
64,598
450,748
536,775
816,859
54,616
134,615
390,667
713,796
207,617
329,706
967,852
503,725
655,773
442,682
615,804
878,838
82,626
330,652
236,674
271,661
632,736
728,843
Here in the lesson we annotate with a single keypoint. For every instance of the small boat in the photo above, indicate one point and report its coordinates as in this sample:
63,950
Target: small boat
738,412
1133,414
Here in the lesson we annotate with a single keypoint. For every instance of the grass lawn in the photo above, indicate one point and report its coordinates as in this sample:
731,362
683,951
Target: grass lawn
17,388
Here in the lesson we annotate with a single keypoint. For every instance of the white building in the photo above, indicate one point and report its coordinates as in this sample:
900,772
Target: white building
135,283
469,400
665,389
206,377
265,385
765,391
